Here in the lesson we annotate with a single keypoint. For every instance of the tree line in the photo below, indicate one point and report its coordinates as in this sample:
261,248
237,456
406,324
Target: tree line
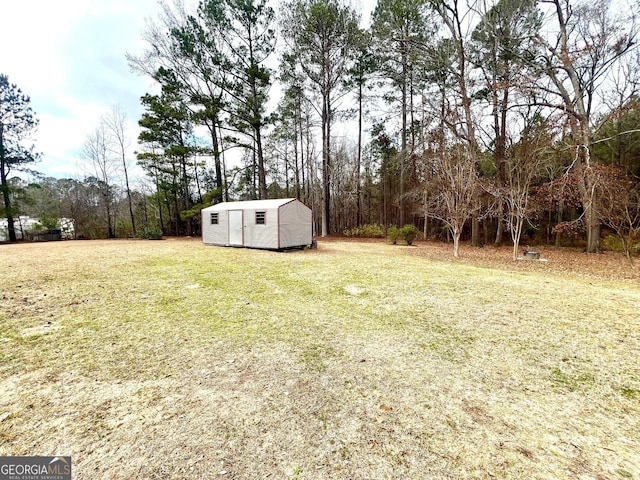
479,120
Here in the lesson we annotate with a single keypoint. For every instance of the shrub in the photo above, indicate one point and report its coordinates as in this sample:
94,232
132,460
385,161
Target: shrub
124,229
615,244
372,230
569,234
573,229
48,222
409,233
393,234
151,233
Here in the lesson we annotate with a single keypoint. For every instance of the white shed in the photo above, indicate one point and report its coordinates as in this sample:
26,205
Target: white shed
269,224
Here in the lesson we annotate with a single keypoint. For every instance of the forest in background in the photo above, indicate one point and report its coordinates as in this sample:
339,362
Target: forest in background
483,121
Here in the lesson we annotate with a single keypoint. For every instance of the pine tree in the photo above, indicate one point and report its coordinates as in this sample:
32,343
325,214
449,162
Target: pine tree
17,123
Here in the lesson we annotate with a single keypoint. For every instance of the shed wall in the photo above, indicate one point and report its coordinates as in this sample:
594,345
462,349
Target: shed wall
296,228
215,234
261,236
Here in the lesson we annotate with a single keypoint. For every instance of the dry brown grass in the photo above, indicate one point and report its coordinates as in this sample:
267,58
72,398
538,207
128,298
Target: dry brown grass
358,360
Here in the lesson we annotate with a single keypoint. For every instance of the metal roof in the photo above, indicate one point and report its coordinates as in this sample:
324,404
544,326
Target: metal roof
251,204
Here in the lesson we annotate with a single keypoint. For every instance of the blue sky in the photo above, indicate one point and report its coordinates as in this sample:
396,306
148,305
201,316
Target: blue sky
69,57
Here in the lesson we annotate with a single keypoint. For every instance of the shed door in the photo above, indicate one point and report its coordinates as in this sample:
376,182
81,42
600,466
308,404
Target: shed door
235,227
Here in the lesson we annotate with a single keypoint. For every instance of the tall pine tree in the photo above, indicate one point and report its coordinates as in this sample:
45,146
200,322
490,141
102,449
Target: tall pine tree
17,123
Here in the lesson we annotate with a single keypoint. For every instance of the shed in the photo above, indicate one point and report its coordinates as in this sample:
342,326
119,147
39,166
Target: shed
270,224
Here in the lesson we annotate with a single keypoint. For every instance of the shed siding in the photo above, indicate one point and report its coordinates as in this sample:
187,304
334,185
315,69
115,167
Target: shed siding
215,234
261,236
295,225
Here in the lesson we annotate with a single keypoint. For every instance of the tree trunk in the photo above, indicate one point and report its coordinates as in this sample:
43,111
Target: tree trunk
4,184
586,188
475,231
159,201
107,201
296,159
456,242
516,235
216,160
326,144
221,169
126,180
499,227
359,157
304,191
197,179
592,226
262,177
403,140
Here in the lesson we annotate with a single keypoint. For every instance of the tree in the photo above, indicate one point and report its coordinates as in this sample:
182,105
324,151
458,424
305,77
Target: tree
617,140
17,123
386,150
183,46
297,108
43,198
102,168
323,35
619,206
115,126
246,28
167,131
452,191
364,67
500,45
591,38
453,69
400,30
523,166
74,204
217,56
286,132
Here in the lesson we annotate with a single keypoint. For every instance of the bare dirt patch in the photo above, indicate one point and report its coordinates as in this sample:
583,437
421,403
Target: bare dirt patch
358,360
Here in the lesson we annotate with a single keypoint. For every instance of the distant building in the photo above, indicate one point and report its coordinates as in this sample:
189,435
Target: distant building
28,228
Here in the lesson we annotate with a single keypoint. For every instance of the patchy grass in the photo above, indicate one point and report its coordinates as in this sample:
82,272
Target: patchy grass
357,360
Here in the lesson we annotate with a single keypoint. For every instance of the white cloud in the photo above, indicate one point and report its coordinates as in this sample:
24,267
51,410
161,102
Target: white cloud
69,57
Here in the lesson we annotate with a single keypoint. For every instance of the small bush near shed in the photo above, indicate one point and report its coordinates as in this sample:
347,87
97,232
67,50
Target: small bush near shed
409,233
151,233
393,234
371,230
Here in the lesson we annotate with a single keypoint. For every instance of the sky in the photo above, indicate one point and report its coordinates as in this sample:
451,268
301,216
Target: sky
69,57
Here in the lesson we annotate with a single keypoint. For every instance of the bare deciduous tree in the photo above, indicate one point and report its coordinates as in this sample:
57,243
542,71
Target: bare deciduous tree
118,143
591,37
102,168
524,164
619,206
453,191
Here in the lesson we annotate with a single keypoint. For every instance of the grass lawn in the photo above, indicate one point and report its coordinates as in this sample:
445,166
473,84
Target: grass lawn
172,360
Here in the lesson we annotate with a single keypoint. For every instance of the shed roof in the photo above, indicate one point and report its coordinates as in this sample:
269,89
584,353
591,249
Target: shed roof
250,204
